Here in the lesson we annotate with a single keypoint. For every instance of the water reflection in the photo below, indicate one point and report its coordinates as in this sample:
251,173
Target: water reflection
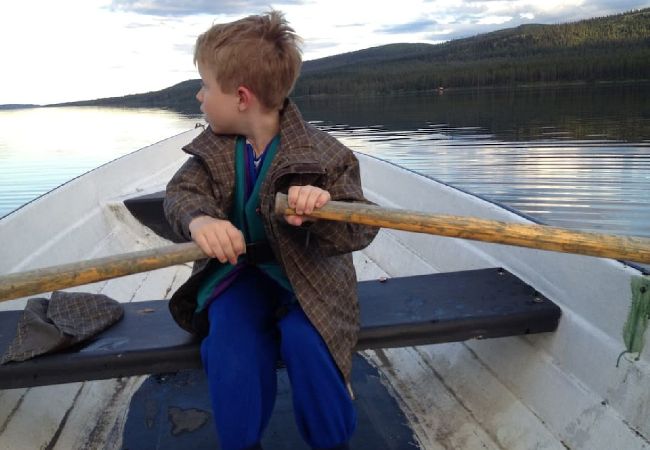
576,157
586,112
571,157
42,148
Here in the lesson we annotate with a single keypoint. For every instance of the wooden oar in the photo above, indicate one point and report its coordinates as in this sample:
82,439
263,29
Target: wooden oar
47,279
524,235
540,237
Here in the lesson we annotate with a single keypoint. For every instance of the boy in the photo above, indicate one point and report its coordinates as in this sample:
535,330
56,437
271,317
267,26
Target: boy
275,288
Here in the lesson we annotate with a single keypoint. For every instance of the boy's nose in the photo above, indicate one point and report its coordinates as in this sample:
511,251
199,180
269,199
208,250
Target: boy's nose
199,96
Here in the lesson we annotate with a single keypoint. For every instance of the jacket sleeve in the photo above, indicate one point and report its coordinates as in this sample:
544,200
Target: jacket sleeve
190,194
344,184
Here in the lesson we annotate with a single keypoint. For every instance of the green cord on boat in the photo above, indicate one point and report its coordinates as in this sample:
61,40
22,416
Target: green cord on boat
637,319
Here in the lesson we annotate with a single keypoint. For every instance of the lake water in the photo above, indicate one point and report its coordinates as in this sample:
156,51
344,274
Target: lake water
576,157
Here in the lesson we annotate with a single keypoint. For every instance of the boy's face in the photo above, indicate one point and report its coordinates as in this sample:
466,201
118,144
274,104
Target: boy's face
220,109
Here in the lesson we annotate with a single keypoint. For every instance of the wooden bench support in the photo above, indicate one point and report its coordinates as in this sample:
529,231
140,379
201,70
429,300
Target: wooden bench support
398,312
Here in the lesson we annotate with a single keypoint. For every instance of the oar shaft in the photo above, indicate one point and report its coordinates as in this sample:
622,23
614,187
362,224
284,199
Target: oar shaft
75,274
523,235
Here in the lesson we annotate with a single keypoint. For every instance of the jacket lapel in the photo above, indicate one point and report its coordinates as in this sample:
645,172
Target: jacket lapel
296,154
216,151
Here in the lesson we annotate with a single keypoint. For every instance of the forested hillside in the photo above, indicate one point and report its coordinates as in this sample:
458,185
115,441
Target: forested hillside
611,48
614,48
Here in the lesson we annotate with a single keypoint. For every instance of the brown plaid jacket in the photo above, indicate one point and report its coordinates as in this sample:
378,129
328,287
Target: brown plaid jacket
315,257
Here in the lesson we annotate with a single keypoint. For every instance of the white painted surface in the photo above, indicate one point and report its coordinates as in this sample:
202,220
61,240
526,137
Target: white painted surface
567,379
511,393
82,219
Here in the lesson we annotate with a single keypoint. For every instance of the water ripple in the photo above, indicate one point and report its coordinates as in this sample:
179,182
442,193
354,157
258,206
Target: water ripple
596,185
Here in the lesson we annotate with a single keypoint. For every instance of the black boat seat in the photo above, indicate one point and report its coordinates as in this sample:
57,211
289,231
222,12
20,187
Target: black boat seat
398,312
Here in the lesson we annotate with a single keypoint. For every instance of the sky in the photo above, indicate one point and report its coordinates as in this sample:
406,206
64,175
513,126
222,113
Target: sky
66,50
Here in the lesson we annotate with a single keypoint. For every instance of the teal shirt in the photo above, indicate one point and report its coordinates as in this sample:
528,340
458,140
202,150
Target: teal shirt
244,217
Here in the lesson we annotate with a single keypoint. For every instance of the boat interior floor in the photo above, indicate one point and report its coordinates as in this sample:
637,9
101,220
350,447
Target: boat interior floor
172,411
395,312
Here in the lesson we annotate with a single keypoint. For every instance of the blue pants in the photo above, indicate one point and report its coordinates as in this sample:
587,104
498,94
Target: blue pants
240,356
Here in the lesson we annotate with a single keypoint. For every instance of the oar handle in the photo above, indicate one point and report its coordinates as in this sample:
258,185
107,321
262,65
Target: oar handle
540,237
75,274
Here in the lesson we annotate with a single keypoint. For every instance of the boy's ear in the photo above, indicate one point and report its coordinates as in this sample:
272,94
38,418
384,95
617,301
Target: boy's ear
246,97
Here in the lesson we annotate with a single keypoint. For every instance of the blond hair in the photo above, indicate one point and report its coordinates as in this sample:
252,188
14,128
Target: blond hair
260,52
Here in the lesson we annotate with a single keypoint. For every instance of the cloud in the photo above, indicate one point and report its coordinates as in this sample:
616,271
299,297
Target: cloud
316,44
616,7
416,26
187,49
138,26
169,8
471,19
350,25
463,31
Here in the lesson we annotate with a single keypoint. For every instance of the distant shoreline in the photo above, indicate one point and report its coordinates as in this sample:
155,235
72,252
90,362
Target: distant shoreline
455,89
541,85
18,106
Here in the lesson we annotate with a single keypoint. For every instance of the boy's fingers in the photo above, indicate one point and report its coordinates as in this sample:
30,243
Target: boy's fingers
298,197
301,201
236,240
227,247
292,195
294,220
306,199
204,245
217,248
219,239
312,198
323,198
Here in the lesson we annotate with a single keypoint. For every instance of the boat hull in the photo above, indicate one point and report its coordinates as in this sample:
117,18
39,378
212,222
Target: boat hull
543,391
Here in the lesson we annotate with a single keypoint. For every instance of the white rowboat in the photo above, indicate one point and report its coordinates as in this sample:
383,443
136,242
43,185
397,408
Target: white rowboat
553,390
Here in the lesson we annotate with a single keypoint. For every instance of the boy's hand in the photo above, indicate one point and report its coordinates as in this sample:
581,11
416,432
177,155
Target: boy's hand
218,238
304,199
